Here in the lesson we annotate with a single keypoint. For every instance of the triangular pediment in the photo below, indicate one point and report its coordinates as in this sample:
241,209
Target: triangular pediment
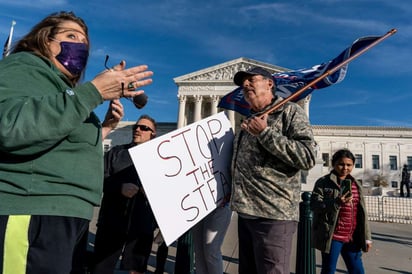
225,71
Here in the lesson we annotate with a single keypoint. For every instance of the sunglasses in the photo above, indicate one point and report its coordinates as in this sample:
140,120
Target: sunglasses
142,128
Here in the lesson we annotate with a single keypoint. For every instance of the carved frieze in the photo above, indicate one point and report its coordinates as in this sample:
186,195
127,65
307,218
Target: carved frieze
196,88
226,71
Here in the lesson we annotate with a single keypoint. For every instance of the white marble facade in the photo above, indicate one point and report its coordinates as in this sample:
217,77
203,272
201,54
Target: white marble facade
381,151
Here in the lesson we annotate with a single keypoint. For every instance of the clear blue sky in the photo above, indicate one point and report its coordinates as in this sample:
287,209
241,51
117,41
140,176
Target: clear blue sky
176,37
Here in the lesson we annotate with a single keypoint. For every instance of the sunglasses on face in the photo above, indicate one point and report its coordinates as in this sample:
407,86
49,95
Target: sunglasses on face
142,128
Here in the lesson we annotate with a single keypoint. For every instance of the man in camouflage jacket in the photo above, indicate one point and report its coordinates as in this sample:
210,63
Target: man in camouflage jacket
269,153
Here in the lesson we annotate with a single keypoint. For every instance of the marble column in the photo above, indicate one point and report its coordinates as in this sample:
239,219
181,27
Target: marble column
231,115
198,107
182,107
306,103
215,100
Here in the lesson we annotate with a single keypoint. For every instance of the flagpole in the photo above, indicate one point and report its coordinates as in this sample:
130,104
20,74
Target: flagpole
327,73
7,46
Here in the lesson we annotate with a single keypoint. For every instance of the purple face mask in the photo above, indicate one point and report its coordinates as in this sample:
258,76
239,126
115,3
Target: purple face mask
73,56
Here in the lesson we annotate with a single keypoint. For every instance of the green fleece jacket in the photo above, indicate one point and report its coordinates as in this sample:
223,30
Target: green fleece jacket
51,158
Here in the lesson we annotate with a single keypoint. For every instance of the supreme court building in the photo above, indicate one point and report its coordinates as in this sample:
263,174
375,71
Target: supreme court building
380,152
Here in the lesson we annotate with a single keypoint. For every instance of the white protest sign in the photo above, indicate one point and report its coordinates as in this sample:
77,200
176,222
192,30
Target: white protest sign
186,173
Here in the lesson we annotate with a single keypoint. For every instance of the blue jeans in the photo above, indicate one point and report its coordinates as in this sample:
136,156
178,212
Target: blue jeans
351,254
208,236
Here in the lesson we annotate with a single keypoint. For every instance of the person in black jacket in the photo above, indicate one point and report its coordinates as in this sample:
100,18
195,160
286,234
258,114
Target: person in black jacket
126,223
405,181
340,221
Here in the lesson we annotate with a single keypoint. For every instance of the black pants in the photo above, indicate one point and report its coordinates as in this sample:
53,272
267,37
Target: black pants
408,189
134,250
82,257
161,257
40,244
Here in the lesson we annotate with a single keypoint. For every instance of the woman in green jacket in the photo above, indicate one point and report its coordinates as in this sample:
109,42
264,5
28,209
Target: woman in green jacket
51,158
340,221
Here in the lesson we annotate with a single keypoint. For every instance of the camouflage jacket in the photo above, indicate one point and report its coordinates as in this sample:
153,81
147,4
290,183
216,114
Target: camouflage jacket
266,169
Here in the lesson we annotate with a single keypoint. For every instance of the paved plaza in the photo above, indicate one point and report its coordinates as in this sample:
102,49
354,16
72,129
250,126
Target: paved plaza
391,251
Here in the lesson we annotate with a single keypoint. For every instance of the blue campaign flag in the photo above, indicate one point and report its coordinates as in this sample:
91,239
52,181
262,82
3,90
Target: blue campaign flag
235,101
289,82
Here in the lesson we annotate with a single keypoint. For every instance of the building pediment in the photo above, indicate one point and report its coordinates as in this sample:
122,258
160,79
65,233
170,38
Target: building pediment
224,72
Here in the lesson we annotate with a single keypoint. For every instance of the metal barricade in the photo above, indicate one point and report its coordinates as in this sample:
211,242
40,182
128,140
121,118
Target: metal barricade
389,209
